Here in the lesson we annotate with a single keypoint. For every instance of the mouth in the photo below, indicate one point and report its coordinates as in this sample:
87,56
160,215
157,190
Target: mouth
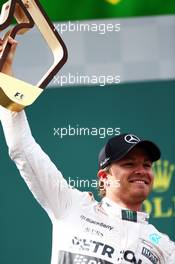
139,181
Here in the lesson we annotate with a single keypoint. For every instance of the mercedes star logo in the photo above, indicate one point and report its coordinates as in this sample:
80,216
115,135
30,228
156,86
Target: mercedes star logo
132,139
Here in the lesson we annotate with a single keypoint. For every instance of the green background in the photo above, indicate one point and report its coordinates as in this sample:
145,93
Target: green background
63,10
146,109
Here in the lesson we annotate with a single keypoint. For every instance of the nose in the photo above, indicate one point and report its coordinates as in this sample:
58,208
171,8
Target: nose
141,170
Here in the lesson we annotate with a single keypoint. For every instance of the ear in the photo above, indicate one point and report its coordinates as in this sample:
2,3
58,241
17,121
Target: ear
102,174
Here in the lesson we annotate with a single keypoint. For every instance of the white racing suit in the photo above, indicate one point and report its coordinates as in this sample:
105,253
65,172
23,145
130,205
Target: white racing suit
84,231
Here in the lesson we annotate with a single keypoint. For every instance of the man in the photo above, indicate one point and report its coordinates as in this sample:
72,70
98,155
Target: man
85,231
127,160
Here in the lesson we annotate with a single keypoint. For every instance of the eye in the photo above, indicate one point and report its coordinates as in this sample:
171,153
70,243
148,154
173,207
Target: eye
148,165
128,164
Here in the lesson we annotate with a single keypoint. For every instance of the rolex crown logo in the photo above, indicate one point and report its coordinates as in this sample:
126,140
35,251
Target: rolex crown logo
163,173
113,2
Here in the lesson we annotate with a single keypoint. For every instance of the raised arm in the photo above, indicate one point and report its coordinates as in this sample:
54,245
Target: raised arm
42,177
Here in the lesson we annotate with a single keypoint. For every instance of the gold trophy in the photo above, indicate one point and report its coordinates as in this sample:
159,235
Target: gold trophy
16,94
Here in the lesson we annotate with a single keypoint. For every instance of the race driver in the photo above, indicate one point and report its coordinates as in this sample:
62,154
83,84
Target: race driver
85,231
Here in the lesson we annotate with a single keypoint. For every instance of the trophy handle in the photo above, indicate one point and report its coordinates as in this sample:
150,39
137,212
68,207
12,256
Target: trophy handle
27,14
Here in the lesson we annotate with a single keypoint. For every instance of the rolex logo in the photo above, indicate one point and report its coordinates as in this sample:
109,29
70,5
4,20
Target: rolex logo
113,2
163,173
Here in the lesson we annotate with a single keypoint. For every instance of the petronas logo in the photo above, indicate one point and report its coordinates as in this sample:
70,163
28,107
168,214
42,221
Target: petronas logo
163,174
113,2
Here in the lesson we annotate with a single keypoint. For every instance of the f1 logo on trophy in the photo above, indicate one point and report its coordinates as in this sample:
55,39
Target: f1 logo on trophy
15,93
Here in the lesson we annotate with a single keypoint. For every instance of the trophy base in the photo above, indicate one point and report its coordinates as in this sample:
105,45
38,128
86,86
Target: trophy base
16,94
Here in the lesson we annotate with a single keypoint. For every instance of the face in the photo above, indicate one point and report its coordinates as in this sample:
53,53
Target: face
134,176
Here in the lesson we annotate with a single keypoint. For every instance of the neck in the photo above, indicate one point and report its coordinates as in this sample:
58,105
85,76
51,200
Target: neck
137,206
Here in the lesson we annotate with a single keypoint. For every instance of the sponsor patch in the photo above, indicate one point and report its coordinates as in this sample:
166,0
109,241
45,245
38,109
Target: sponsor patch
154,238
149,255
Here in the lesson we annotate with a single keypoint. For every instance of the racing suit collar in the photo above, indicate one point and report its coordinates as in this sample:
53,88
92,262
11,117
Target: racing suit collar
116,210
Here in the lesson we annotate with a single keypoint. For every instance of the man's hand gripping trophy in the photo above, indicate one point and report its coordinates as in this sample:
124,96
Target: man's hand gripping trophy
7,67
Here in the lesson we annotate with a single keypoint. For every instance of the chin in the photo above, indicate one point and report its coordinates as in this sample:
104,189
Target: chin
140,195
